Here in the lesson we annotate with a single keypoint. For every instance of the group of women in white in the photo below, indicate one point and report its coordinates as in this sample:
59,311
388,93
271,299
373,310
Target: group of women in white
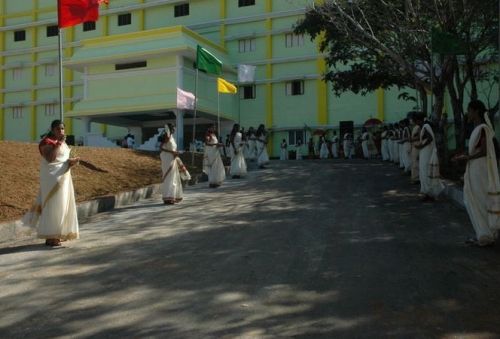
414,150
411,145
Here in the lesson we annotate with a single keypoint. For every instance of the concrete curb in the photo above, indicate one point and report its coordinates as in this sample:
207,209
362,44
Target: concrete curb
88,208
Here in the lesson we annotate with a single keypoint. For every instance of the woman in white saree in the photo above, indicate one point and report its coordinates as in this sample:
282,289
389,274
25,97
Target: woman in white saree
481,181
365,137
238,163
173,169
430,182
212,161
54,212
415,138
262,156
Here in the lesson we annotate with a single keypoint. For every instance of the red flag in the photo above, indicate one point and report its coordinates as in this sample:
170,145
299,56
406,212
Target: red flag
74,12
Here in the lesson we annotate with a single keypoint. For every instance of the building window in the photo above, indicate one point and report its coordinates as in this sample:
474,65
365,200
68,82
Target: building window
124,19
294,40
139,64
17,73
50,110
20,35
17,112
181,10
52,31
246,45
295,87
247,92
50,70
89,26
295,136
243,3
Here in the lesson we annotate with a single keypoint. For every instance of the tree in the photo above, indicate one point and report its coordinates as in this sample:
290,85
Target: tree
372,44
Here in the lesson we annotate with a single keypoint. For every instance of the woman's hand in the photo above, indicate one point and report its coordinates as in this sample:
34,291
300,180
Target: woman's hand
73,161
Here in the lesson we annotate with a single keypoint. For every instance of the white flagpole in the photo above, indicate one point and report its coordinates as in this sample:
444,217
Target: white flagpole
194,114
218,111
61,77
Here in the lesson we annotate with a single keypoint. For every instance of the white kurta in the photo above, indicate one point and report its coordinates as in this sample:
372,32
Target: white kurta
262,156
252,147
171,186
335,147
482,188
212,163
238,163
415,133
430,183
54,212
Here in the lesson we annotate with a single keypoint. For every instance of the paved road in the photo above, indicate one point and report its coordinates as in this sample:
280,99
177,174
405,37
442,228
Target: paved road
303,249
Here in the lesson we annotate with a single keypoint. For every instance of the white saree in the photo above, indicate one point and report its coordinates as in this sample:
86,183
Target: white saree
430,182
323,151
172,168
212,163
364,145
406,152
54,213
482,188
238,163
384,149
335,147
415,133
262,156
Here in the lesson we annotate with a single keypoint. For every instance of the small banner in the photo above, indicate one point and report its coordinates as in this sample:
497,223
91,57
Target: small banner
207,62
185,100
246,73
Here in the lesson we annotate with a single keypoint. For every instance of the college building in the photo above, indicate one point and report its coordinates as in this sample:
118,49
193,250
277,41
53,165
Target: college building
122,72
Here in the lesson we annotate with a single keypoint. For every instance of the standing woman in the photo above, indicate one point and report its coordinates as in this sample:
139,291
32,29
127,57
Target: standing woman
238,163
481,181
384,149
262,157
212,161
323,148
283,150
430,183
335,145
252,151
171,167
415,137
365,137
55,209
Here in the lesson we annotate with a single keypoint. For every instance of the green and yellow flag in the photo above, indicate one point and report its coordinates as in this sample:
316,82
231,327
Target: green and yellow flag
224,86
206,61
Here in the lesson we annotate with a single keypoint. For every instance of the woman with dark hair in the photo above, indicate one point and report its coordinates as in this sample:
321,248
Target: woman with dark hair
481,181
251,144
172,168
262,156
417,120
238,163
54,212
429,175
212,161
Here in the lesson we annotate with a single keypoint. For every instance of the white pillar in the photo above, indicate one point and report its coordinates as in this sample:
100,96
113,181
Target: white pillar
179,128
86,124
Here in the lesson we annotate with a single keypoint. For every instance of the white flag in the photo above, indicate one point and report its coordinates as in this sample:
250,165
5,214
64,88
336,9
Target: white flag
185,100
246,73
